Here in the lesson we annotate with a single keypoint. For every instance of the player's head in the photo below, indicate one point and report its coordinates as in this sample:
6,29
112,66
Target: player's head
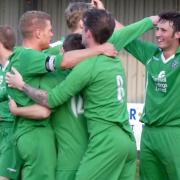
7,37
97,24
168,29
73,42
74,13
36,25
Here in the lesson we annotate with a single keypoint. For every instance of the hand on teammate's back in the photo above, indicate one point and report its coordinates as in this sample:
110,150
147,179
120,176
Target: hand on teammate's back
108,49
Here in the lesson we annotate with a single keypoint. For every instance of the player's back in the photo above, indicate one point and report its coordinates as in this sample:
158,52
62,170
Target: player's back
105,95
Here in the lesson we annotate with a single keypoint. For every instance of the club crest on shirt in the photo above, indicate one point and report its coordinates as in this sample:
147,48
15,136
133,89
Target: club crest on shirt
175,64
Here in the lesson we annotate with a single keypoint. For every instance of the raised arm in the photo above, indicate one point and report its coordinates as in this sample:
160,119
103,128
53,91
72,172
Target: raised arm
141,50
124,36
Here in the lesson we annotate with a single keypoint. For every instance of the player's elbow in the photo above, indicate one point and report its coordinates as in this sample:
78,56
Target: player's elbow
67,62
64,65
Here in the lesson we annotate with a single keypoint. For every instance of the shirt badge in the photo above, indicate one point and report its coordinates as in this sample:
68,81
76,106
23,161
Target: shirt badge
174,64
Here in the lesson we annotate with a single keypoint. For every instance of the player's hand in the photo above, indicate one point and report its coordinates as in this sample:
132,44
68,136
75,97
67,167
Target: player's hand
12,106
97,4
14,79
108,49
155,19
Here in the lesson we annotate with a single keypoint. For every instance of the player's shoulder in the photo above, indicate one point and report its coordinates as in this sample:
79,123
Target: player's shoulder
87,64
17,52
29,53
102,57
90,61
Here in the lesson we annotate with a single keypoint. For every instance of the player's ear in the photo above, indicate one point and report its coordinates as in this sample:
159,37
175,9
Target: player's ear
62,50
81,24
1,45
89,34
37,33
177,35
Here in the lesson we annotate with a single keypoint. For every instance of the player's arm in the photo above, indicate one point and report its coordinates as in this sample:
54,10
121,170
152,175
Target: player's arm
74,82
72,58
141,50
124,36
77,80
43,63
34,112
15,80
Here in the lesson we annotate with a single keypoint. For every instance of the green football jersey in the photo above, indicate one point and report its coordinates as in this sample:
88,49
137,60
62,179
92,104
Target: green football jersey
67,121
103,87
162,84
69,125
103,83
5,114
32,65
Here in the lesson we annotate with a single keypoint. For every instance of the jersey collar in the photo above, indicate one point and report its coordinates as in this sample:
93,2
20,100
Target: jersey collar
171,57
166,60
5,66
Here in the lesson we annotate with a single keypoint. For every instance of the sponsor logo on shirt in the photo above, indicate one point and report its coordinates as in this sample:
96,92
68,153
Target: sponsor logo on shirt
161,82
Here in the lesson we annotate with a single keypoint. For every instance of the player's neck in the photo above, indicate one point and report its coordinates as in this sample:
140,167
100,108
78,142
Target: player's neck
28,43
91,44
169,52
78,30
4,56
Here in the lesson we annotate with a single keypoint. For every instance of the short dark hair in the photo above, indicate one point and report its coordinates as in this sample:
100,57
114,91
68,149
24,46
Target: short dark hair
31,20
73,42
74,13
100,23
171,16
7,37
